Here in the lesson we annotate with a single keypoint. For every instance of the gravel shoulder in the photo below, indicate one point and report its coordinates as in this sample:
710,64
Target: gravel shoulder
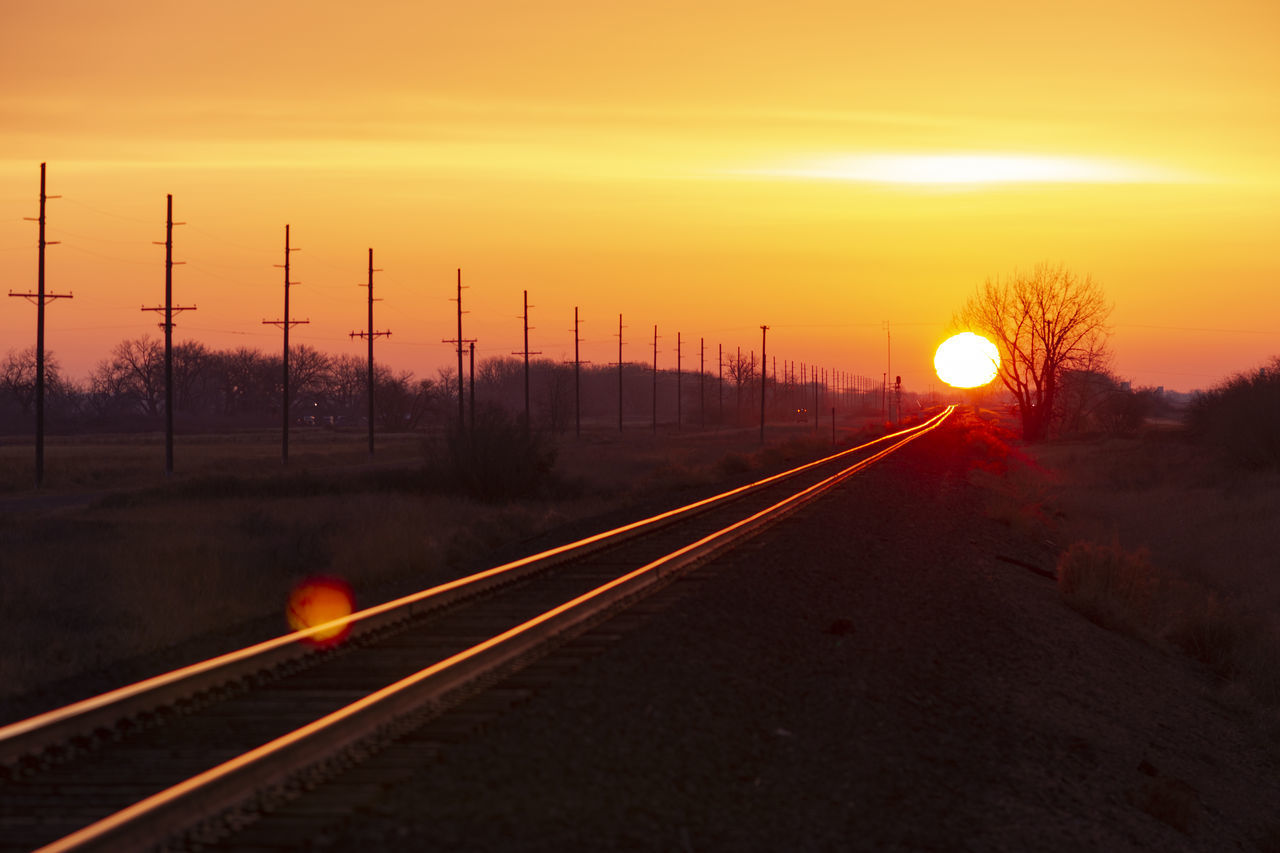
867,675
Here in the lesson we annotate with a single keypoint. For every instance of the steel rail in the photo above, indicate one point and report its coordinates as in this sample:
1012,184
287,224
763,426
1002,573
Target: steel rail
159,817
30,737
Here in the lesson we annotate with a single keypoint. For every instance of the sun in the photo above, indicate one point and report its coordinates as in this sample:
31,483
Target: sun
966,360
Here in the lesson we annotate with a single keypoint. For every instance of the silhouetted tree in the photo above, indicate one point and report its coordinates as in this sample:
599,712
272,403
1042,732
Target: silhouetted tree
18,377
192,364
248,381
1241,417
309,371
742,373
132,378
557,394
1044,323
401,402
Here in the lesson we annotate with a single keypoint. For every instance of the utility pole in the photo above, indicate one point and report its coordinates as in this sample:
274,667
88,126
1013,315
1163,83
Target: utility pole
737,376
370,335
577,378
169,310
285,324
472,375
888,366
40,297
764,375
655,379
679,389
720,383
813,373
702,380
620,328
459,340
527,421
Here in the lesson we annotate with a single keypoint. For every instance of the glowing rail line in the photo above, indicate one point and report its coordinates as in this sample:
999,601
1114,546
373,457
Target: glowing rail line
156,818
294,644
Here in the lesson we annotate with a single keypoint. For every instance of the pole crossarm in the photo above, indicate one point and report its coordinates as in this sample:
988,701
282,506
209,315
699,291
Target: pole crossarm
37,298
171,310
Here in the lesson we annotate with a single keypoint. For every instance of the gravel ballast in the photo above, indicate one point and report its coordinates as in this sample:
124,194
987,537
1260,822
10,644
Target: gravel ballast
867,675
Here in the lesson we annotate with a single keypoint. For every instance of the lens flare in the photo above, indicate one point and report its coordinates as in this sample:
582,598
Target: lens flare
966,360
319,600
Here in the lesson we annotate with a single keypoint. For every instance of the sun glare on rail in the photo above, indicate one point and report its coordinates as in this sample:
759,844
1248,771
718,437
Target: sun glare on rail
966,360
318,600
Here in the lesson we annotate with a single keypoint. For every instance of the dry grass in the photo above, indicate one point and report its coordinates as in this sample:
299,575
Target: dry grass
1114,587
1172,547
156,563
128,461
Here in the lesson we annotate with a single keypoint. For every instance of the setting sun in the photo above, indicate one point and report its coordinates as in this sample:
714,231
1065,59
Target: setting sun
966,360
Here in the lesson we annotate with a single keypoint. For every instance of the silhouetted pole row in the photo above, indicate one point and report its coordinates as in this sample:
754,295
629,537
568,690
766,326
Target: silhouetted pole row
40,297
285,324
169,310
370,335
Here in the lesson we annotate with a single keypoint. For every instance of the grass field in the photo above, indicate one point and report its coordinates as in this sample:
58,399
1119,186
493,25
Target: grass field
1160,539
149,562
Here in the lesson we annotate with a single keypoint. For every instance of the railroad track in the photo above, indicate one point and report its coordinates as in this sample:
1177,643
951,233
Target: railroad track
187,757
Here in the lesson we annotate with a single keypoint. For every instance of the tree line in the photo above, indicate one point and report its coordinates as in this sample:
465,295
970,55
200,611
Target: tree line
241,388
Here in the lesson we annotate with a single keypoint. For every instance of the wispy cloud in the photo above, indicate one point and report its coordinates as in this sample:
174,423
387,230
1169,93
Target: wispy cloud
966,169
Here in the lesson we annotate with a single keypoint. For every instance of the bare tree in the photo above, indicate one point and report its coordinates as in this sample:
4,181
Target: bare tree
1044,323
248,380
133,375
191,362
309,371
18,376
348,382
557,394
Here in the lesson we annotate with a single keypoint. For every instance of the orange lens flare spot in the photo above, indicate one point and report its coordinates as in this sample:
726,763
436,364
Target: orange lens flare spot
966,360
319,600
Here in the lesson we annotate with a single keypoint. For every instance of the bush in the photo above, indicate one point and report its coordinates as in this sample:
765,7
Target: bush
498,459
1241,417
1112,586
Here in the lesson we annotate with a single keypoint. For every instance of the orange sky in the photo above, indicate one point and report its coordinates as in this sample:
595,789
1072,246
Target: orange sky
819,167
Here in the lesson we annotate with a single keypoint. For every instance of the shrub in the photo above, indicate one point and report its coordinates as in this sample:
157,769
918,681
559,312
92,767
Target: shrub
1211,631
1241,417
733,463
1112,586
497,459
